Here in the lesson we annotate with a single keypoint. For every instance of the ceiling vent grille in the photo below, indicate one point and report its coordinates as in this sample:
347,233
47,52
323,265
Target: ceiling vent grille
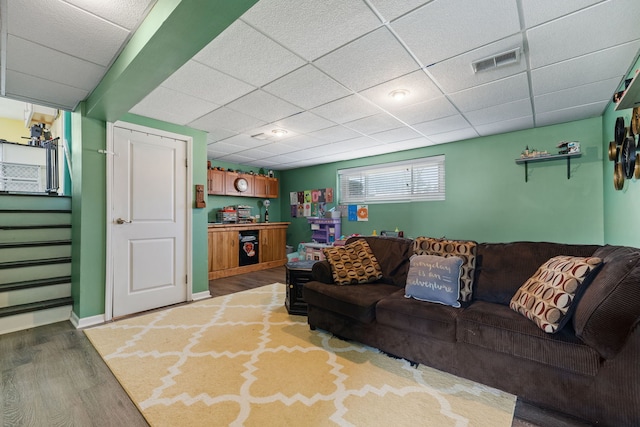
505,58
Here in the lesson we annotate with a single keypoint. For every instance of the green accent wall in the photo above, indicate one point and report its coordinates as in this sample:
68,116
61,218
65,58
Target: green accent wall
487,198
621,208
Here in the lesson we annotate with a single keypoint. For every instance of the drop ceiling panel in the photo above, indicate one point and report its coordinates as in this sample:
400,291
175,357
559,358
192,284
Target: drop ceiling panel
457,73
200,81
302,142
456,135
222,148
307,87
396,135
410,144
391,9
41,91
539,11
585,69
180,106
219,135
500,112
373,124
456,27
125,13
225,118
570,114
335,134
599,27
446,124
368,61
312,28
425,111
419,86
501,91
304,122
244,142
30,58
505,126
568,98
262,59
346,109
263,106
67,29
238,158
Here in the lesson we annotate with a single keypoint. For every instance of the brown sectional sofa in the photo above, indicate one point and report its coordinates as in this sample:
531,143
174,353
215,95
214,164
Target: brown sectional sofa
590,369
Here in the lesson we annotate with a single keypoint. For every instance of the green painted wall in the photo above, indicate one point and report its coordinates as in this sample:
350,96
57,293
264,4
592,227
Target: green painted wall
621,208
215,203
487,198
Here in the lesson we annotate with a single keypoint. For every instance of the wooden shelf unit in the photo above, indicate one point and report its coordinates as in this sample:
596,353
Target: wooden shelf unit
222,183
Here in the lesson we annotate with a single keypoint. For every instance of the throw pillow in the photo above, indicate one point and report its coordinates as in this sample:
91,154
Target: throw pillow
464,249
547,297
353,263
434,278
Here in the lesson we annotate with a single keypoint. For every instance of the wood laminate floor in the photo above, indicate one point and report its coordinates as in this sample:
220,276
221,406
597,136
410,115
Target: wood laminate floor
52,375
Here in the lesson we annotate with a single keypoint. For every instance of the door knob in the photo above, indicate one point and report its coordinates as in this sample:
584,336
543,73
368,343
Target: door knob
122,221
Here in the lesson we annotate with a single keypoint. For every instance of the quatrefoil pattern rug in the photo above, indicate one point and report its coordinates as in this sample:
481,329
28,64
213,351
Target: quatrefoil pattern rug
242,360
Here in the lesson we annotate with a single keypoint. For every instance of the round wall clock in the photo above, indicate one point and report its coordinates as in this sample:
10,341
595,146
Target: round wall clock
241,184
628,157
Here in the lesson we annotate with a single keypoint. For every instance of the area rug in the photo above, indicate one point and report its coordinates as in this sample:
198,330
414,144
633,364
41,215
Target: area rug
242,360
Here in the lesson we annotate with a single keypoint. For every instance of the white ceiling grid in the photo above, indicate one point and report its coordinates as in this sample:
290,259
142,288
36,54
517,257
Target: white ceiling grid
323,70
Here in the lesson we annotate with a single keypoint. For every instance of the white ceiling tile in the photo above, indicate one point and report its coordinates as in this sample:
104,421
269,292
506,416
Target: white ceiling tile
219,135
396,135
40,91
585,69
446,124
30,58
598,27
307,87
312,28
586,94
346,109
504,126
372,124
498,92
126,13
500,112
302,142
304,122
539,11
224,118
244,142
222,148
200,81
238,158
67,29
263,106
268,133
425,111
262,60
443,29
391,9
419,86
368,61
411,144
456,135
361,143
180,107
335,134
569,114
456,73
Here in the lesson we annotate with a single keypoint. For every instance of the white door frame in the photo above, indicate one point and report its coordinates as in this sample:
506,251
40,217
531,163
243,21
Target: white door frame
108,298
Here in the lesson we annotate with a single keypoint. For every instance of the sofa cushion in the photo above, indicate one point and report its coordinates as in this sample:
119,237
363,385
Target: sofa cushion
502,268
434,278
353,263
465,249
498,328
356,302
392,254
418,317
547,298
610,305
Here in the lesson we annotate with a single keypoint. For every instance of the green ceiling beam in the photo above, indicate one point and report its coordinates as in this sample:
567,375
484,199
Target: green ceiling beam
173,32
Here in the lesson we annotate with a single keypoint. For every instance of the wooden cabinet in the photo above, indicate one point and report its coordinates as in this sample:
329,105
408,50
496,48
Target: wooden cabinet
224,250
215,181
265,187
230,184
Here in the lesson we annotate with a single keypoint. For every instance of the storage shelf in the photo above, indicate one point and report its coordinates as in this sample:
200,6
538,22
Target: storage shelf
631,96
527,160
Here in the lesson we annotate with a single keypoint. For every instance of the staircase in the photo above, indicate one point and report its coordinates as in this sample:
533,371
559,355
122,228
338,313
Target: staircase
35,260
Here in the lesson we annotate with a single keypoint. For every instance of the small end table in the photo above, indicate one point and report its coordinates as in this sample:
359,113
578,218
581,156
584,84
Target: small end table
298,273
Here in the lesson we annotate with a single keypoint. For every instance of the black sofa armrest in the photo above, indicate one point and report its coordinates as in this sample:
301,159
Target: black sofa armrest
321,272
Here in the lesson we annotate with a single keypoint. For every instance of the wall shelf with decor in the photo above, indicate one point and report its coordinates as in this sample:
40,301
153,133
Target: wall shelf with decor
527,160
631,96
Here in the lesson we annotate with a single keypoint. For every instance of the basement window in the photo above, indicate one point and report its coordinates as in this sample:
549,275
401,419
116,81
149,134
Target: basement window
407,181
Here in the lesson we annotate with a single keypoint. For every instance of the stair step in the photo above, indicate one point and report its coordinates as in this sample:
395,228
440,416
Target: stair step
25,284
35,306
12,245
34,262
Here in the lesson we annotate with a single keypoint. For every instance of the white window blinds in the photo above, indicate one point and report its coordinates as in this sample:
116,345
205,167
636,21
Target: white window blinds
413,180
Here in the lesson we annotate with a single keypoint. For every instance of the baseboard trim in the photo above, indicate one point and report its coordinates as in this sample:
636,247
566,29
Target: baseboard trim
86,322
201,295
33,319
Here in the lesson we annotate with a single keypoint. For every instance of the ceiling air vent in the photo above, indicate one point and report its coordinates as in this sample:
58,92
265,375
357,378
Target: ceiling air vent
505,58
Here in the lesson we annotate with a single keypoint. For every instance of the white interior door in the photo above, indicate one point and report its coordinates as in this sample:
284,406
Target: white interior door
149,205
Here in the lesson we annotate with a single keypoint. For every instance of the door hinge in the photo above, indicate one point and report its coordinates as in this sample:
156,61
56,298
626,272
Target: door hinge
186,279
186,163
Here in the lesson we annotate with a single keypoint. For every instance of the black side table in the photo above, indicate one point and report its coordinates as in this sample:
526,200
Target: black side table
298,273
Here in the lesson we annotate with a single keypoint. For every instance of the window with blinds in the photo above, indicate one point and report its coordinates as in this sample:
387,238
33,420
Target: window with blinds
413,180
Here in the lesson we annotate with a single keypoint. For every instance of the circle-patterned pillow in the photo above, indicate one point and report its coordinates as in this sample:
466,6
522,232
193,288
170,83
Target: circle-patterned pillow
353,263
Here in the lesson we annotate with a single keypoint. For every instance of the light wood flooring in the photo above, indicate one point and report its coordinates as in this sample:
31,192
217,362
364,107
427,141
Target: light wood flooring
52,375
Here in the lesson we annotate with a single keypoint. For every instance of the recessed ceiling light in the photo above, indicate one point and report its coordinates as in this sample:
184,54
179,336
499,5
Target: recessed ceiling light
399,94
279,132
